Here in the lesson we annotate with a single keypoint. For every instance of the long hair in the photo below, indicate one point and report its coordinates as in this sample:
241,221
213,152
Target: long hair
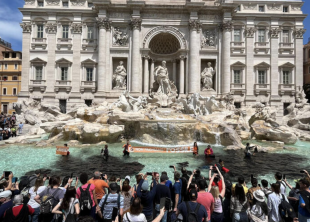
39,182
239,193
262,205
126,188
195,144
136,207
215,192
70,193
276,188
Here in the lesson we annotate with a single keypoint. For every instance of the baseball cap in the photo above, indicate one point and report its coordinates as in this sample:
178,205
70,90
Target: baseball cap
127,177
5,194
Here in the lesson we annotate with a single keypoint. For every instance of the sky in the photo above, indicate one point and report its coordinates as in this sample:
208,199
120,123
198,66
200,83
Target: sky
10,18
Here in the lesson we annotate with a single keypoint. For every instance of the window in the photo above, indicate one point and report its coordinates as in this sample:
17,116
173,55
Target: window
5,78
286,77
237,105
7,55
39,72
65,4
15,78
4,91
40,3
285,9
261,35
237,77
90,32
65,31
14,91
285,37
15,66
13,54
261,77
89,74
5,66
261,8
90,5
64,74
237,35
5,108
40,31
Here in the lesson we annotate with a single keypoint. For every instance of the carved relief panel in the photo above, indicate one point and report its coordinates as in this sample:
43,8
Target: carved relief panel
209,38
120,36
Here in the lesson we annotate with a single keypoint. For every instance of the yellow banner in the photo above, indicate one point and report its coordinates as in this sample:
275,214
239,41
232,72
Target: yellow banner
144,149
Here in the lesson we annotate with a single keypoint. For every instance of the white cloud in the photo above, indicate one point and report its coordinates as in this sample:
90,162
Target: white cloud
6,13
10,30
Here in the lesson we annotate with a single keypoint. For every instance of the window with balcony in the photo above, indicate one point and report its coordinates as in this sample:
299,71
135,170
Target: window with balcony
15,66
5,66
14,91
90,32
15,78
237,35
4,91
285,8
261,77
65,31
286,36
4,78
39,31
261,8
89,74
64,74
237,76
39,72
261,35
14,55
286,77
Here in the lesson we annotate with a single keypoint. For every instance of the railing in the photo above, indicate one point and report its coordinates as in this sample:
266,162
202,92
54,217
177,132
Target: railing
237,44
63,82
37,82
262,86
287,87
5,43
89,41
286,45
89,83
39,40
262,44
65,41
237,85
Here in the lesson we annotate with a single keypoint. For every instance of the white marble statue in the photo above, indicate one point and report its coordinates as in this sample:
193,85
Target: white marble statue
208,103
119,38
206,77
162,78
128,103
119,77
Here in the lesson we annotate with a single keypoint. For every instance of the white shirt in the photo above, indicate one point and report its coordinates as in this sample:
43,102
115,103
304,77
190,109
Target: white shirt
32,202
273,203
134,218
282,188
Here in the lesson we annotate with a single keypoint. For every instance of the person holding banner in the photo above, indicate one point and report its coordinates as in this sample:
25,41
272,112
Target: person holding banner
195,149
127,148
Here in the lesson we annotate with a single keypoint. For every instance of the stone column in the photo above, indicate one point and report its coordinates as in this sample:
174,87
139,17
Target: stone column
226,27
152,73
250,81
76,62
108,73
274,62
194,75
181,81
103,24
136,77
174,71
298,33
146,75
26,26
51,57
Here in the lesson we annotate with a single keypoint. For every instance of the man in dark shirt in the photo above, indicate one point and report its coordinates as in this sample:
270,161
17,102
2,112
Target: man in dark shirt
177,188
162,191
6,202
32,179
183,207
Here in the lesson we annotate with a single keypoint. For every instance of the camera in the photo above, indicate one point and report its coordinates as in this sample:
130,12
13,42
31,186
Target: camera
149,173
6,174
284,176
302,171
171,166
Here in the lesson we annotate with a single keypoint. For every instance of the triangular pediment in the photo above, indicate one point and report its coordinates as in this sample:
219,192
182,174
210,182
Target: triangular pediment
37,60
63,60
238,64
262,64
287,65
88,61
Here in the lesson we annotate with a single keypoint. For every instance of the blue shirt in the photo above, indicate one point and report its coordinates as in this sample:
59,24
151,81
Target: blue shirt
4,207
111,202
202,212
178,189
301,210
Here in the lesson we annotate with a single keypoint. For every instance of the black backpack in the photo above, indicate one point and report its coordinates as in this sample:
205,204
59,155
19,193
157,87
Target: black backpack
192,216
48,202
85,200
286,210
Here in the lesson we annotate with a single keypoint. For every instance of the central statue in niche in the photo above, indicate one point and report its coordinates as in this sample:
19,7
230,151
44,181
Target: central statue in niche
206,77
164,91
119,77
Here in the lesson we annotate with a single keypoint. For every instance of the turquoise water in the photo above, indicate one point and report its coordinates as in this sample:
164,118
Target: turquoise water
21,159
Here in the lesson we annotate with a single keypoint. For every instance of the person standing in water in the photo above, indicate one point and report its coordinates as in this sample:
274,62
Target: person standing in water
67,148
195,150
105,152
126,147
247,151
208,151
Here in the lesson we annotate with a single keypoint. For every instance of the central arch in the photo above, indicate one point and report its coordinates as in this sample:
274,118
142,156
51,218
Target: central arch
159,30
164,43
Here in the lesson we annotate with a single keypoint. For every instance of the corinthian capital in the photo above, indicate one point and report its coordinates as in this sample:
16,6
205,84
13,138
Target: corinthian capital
299,33
274,32
51,27
194,24
104,23
249,32
26,26
227,26
76,27
135,23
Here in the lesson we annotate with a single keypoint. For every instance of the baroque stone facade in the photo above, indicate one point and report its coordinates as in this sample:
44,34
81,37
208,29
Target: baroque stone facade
83,51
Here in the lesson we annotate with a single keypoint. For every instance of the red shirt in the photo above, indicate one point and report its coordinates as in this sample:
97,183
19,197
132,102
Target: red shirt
18,208
220,185
206,199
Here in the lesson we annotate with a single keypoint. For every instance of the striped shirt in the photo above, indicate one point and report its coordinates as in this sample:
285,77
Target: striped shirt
111,202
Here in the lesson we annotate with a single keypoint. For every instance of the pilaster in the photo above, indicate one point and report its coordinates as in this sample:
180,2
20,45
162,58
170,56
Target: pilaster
51,58
250,81
298,34
146,75
274,62
76,61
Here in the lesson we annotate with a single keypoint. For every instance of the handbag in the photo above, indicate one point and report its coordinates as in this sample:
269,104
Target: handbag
257,219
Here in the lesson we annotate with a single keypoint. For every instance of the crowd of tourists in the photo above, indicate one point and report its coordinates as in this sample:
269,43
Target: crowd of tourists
189,197
9,126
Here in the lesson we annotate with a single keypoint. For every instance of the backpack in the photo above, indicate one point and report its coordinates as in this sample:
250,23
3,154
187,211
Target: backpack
286,210
85,200
192,216
48,202
25,185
